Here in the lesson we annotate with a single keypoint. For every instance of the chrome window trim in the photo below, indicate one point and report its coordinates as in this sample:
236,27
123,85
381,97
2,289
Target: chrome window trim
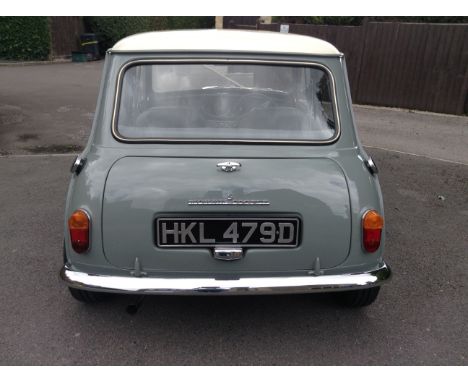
127,65
112,51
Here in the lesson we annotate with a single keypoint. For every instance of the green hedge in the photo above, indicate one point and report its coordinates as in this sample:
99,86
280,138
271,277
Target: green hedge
28,38
111,29
24,38
190,22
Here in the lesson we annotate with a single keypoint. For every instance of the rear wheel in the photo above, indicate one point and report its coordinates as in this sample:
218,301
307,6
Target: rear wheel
87,296
358,298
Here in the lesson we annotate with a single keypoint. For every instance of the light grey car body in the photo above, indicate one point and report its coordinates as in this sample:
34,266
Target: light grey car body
125,186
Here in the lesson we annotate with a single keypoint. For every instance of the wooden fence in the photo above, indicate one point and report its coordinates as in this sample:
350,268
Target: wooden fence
65,35
408,65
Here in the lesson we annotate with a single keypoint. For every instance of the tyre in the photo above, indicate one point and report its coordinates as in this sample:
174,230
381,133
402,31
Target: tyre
358,298
87,296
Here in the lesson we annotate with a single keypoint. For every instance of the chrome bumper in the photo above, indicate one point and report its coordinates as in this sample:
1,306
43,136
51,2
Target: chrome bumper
258,285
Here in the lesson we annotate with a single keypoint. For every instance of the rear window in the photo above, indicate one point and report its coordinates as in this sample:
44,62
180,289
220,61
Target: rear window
225,102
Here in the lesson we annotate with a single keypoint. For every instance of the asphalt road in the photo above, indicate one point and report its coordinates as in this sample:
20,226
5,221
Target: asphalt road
419,318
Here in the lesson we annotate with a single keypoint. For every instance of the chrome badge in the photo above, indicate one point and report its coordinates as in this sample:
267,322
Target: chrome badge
229,166
227,202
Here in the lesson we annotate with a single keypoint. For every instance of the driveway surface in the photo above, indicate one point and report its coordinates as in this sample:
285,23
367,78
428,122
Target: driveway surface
420,317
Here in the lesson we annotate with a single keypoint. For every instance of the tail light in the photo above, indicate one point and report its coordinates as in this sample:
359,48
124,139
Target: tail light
372,224
78,225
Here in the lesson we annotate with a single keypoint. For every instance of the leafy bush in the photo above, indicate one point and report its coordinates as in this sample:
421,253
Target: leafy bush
24,38
111,29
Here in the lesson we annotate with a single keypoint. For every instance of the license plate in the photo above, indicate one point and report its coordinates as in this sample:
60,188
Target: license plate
209,232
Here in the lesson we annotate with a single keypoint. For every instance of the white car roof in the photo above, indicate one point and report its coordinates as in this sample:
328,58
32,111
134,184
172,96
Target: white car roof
212,40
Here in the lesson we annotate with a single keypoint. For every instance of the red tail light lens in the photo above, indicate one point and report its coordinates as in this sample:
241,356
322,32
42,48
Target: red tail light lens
78,225
372,224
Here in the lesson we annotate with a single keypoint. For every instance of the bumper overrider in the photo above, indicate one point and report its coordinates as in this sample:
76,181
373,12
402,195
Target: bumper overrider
247,285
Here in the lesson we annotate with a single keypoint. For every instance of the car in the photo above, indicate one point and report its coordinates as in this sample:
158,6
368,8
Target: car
224,162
